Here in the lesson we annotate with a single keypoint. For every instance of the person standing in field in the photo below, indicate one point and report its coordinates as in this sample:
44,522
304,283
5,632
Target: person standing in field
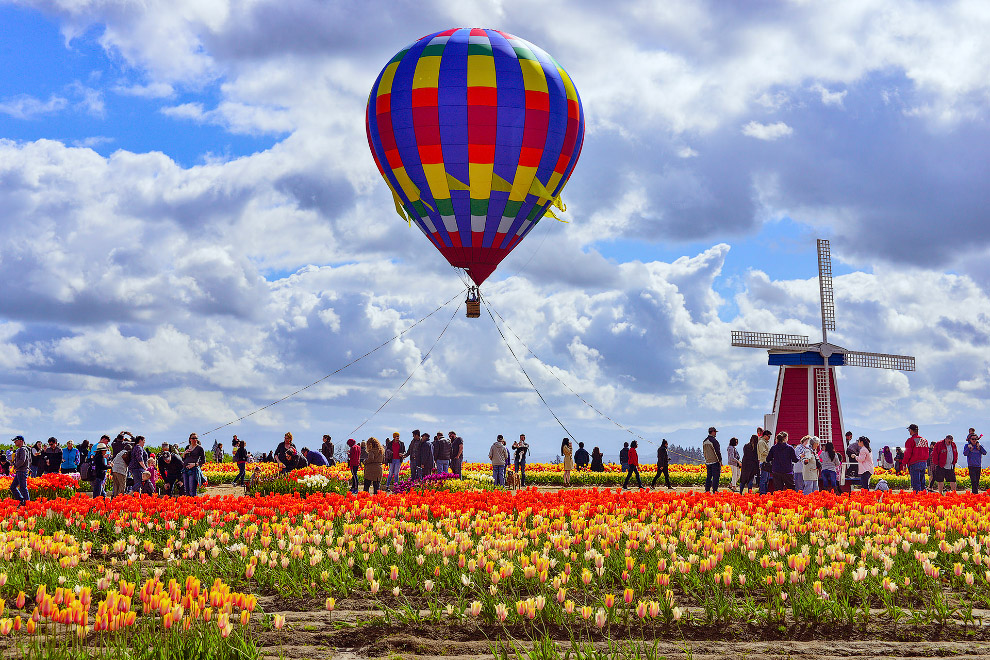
782,459
581,457
139,463
750,465
373,465
762,451
394,450
456,454
240,458
633,460
974,453
499,456
193,458
732,458
520,450
441,453
568,453
831,464
663,464
353,462
99,473
118,470
946,455
413,454
624,457
898,461
916,452
713,461
426,464
865,460
20,463
809,466
598,460
327,449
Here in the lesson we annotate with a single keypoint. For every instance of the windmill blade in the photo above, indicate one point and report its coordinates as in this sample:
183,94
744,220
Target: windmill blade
879,361
749,339
825,286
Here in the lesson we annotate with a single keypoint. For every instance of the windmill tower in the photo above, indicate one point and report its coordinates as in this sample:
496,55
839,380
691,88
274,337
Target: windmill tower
806,400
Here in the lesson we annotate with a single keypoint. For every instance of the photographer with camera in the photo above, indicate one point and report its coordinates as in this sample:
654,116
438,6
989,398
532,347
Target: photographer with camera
974,453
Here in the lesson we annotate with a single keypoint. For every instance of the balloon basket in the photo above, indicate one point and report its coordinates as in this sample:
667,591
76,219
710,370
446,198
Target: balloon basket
473,309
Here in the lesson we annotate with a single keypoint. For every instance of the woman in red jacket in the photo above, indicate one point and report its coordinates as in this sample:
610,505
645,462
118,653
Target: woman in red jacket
353,462
633,467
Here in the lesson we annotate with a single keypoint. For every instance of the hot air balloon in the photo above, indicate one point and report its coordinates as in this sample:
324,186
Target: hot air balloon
476,133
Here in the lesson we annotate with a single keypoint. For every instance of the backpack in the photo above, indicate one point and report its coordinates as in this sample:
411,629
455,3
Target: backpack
127,454
86,470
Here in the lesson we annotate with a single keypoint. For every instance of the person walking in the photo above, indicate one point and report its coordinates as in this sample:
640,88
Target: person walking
193,458
21,464
568,453
520,450
865,460
750,465
713,461
597,460
663,461
733,459
916,452
762,451
456,454
782,459
810,464
633,460
353,462
946,455
499,456
624,457
441,453
241,459
394,451
373,465
974,453
831,463
98,475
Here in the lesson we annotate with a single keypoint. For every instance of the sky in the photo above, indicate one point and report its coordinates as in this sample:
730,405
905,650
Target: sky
192,226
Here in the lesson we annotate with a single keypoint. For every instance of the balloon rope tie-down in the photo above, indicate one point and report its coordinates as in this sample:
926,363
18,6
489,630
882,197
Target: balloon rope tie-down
352,362
491,309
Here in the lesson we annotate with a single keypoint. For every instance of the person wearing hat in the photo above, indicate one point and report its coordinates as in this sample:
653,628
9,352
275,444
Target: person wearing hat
21,464
99,472
394,450
713,460
916,452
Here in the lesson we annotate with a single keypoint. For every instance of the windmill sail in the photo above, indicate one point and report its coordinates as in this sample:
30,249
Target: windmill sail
749,339
879,360
825,287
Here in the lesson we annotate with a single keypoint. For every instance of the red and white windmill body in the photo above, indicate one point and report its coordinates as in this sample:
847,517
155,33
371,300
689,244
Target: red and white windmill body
807,400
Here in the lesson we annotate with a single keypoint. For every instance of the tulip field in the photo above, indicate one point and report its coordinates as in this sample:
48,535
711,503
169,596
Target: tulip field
476,570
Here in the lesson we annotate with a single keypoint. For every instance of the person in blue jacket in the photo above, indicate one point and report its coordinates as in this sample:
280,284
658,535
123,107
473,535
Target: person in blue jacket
70,458
974,453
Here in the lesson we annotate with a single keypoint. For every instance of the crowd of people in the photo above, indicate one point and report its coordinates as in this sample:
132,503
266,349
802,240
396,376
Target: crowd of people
771,464
765,463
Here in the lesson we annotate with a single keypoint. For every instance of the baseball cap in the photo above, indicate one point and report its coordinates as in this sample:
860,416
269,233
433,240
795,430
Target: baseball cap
18,437
712,429
912,427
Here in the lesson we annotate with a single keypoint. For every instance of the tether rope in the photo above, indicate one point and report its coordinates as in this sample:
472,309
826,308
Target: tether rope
585,401
532,384
425,358
354,361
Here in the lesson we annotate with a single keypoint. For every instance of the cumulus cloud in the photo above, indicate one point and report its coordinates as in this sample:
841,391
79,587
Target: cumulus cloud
29,107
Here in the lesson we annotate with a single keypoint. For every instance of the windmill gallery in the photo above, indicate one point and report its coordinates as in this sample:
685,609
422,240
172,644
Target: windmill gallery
806,400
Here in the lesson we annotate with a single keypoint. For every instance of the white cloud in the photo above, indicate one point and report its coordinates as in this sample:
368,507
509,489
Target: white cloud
29,107
829,97
153,90
768,132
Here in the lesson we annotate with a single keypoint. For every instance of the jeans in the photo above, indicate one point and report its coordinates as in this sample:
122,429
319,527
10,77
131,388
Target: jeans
354,479
917,472
735,476
190,481
413,469
828,480
665,471
624,467
498,474
712,475
799,481
521,471
974,479
393,472
19,487
455,466
98,481
633,469
239,479
810,486
443,466
136,486
764,481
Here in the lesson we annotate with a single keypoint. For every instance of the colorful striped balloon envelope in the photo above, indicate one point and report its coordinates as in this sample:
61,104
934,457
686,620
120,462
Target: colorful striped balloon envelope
476,133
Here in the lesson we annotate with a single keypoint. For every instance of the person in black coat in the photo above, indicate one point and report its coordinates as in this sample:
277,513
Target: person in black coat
170,467
663,462
750,465
98,475
581,457
597,458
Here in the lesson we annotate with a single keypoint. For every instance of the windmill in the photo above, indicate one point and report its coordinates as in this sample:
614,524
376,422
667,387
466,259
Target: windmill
806,400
